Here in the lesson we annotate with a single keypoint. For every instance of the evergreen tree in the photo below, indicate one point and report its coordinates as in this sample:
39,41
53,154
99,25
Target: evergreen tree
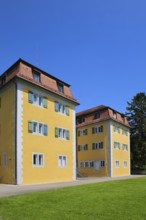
136,115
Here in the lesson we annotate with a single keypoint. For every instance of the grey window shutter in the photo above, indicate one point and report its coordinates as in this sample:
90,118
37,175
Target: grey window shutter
56,107
45,102
45,130
30,126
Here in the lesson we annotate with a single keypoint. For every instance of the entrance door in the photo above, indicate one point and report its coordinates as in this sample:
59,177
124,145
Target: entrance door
97,165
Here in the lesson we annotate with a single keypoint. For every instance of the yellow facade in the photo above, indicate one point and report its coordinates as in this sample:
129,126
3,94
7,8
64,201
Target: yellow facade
108,154
7,134
48,145
37,127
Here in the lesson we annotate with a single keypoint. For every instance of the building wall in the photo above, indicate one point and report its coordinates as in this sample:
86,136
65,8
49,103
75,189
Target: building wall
7,134
120,154
109,154
50,146
93,155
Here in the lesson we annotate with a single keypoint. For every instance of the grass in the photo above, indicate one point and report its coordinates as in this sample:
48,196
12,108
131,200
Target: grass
115,200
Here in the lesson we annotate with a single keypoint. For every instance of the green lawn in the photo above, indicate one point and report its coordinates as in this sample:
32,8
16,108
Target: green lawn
119,200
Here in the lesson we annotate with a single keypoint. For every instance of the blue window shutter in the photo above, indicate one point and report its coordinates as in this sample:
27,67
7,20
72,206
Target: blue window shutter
45,130
56,132
30,126
45,102
56,107
67,110
30,97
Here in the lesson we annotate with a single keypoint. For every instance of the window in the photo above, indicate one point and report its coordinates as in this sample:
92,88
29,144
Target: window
125,164
92,164
102,163
83,147
114,114
80,120
83,132
125,132
60,87
38,159
5,159
98,145
97,115
37,100
61,108
117,163
37,128
116,129
125,147
36,76
117,145
62,161
62,133
98,129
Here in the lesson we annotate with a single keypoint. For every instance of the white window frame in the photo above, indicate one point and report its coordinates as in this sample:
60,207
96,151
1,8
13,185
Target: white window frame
125,147
61,162
37,128
125,164
83,147
62,133
83,132
116,145
97,146
117,129
97,129
38,155
117,163
124,132
37,101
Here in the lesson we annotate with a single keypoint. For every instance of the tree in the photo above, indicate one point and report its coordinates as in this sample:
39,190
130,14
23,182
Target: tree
136,115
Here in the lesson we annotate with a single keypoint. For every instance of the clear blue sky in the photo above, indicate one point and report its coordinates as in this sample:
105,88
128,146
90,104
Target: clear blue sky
97,46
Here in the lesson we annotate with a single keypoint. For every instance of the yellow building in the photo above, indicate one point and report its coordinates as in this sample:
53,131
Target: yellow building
103,143
37,127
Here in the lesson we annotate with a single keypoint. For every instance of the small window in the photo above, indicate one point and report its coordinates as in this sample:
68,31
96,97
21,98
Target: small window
80,120
97,115
125,164
114,114
36,76
60,87
62,161
117,163
38,160
125,147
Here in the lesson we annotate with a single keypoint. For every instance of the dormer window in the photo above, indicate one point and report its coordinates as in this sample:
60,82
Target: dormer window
115,115
60,87
80,120
97,115
36,76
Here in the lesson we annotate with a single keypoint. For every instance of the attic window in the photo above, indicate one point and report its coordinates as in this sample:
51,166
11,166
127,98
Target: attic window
80,120
36,76
97,115
115,114
60,87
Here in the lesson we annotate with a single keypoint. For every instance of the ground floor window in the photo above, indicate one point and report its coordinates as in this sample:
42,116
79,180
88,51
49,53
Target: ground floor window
62,161
38,159
92,164
125,164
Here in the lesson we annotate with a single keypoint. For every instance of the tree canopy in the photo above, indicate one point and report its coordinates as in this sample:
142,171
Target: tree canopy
136,115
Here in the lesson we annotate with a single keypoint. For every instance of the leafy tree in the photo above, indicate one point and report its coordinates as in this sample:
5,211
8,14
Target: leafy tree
136,115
